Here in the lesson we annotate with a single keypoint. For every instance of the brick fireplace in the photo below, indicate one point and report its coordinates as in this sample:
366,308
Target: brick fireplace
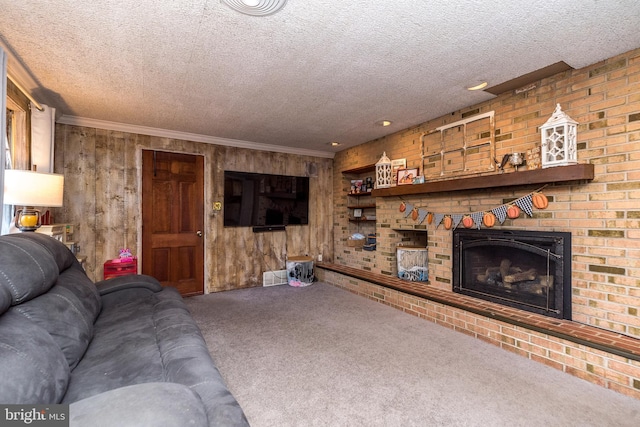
602,216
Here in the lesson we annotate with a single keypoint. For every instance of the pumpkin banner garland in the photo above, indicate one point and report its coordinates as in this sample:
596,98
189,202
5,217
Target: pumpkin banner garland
422,216
511,210
500,212
525,204
448,222
456,219
477,219
489,219
408,209
540,201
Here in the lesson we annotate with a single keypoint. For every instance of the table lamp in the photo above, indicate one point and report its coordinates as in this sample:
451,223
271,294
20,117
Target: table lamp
30,189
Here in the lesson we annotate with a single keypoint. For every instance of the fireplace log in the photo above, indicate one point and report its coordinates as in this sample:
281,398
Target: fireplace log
530,274
490,272
532,287
504,267
546,281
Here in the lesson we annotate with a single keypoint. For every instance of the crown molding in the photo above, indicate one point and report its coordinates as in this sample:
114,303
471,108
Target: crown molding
186,136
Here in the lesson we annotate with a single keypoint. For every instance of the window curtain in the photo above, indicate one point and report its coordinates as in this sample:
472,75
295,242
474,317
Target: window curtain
3,126
43,125
18,154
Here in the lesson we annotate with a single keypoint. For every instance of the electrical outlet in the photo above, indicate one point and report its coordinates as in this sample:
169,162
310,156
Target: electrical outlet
319,257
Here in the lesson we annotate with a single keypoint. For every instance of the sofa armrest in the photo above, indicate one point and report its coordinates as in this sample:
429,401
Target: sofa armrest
130,281
150,404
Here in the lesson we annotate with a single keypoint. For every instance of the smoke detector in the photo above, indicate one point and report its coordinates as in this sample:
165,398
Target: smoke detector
255,7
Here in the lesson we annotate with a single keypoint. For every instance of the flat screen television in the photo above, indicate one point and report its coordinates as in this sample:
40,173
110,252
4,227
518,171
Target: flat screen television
264,200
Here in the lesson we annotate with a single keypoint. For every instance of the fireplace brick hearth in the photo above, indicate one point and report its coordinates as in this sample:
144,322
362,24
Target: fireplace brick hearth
606,358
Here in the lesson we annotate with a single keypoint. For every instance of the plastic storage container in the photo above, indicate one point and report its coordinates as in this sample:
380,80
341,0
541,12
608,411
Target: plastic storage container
413,263
120,267
300,271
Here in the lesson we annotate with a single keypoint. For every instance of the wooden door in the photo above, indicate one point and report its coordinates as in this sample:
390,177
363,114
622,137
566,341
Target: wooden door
173,219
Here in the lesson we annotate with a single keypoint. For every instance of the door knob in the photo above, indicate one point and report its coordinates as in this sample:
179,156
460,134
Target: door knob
199,233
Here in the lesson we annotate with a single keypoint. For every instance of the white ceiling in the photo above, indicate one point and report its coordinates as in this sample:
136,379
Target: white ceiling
315,72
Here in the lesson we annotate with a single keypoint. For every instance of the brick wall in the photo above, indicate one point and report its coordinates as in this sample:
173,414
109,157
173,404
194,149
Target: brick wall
603,215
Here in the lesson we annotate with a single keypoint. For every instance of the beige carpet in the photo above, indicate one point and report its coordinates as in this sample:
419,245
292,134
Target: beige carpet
321,356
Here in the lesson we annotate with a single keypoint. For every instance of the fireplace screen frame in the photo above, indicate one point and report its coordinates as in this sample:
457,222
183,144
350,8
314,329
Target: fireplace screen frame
557,253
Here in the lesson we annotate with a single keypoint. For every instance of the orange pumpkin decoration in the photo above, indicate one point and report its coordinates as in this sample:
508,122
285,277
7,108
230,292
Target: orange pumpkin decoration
513,211
414,214
448,222
489,219
540,201
467,221
403,207
429,218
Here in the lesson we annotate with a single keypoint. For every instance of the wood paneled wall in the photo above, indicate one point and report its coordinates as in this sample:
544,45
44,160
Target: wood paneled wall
102,171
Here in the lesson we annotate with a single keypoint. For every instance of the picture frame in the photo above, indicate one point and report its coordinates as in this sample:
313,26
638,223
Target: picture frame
396,165
356,186
357,213
406,176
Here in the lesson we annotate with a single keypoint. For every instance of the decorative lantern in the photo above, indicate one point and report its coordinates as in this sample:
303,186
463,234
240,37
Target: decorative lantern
559,140
383,172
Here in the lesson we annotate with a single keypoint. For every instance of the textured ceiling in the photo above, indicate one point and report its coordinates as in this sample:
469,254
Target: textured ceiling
315,72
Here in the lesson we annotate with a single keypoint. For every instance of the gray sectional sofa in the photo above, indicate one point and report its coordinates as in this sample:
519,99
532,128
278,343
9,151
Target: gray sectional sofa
121,352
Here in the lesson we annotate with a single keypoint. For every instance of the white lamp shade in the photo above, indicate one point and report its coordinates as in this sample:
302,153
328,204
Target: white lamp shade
27,188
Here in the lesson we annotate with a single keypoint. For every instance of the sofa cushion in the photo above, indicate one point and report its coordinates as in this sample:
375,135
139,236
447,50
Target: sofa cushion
187,360
27,269
67,311
151,404
63,257
123,352
32,367
63,301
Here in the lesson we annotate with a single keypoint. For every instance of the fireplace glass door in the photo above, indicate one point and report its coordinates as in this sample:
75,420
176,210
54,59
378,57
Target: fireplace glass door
522,269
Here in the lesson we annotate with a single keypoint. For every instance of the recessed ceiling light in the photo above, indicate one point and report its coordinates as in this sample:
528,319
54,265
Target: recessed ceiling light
335,144
255,7
384,123
478,86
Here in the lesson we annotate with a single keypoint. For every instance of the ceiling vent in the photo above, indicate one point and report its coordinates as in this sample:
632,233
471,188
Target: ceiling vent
255,7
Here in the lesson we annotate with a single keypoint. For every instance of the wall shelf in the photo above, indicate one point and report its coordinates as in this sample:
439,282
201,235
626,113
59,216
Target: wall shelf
371,205
422,228
577,172
360,170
